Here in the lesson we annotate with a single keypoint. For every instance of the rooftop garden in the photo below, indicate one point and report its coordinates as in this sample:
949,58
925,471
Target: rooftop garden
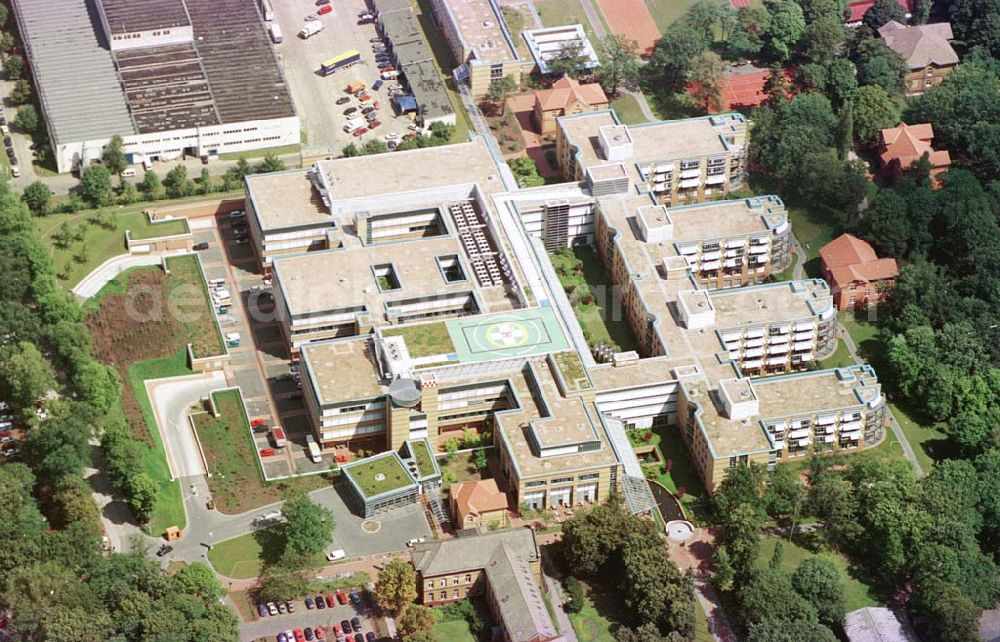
424,340
378,475
155,229
571,370
422,455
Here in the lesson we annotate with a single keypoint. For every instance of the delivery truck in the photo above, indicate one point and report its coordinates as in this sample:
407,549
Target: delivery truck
314,451
310,29
278,437
355,124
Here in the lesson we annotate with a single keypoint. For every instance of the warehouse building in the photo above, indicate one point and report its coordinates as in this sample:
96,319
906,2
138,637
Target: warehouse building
174,78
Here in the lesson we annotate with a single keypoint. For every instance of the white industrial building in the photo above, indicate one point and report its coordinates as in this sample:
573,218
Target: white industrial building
174,78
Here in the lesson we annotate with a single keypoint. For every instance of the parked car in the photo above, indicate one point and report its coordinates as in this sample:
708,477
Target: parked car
320,604
330,600
163,550
346,626
356,622
200,246
8,141
342,597
359,638
310,605
378,85
343,100
376,38
237,214
290,605
355,597
282,607
350,110
325,9
320,3
370,637
299,635
358,133
392,144
262,609
311,17
373,124
308,633
319,633
281,637
416,540
10,152
272,608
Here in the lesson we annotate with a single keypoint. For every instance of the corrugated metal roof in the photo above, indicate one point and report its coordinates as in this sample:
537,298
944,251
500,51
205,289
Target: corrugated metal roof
77,82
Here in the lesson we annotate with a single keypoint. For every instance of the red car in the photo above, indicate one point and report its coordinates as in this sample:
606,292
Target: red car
358,133
257,422
377,105
267,452
299,635
325,9
337,631
386,69
373,124
341,597
364,97
319,633
329,600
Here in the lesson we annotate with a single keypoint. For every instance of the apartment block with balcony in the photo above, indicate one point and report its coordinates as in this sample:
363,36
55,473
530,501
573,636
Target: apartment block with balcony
766,420
764,329
678,161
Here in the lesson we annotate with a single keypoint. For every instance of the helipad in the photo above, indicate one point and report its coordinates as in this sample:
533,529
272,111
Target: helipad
511,334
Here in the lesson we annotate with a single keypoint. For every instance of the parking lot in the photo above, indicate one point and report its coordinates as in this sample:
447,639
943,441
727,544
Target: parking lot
330,619
316,96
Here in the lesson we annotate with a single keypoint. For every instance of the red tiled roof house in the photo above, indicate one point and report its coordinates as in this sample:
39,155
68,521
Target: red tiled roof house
566,97
900,146
478,503
856,275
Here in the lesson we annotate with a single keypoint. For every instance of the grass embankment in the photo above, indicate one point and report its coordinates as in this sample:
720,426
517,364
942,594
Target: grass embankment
589,288
243,557
627,108
200,328
236,480
444,65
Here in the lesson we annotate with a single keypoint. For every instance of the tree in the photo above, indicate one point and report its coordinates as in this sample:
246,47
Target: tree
270,163
842,82
818,580
877,64
747,39
422,636
787,27
784,493
741,538
13,67
824,35
375,146
706,75
27,118
620,62
95,186
882,12
73,504
198,579
4,15
37,196
784,128
499,91
21,93
525,171
142,494
768,596
743,484
672,56
279,582
724,574
950,616
59,446
887,224
114,155
25,374
873,112
647,632
205,181
98,384
350,150
569,61
308,527
177,182
415,620
784,631
832,500
396,587
577,597
152,186
702,18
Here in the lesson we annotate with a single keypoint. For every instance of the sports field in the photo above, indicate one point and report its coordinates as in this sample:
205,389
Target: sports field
512,334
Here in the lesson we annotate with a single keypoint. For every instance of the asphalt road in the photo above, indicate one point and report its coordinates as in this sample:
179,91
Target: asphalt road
171,399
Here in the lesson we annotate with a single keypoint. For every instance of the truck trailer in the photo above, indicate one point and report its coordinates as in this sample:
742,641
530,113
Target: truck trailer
310,29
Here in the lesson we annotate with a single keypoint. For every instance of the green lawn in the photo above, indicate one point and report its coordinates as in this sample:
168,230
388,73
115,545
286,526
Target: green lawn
581,270
840,358
682,480
856,593
378,475
282,150
243,557
627,108
518,20
556,13
454,631
929,444
445,65
169,510
167,227
200,328
665,12
424,340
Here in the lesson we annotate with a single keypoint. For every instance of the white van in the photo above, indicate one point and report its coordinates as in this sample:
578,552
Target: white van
128,172
147,164
338,554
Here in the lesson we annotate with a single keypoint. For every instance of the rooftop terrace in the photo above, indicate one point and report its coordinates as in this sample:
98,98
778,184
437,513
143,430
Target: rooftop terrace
341,370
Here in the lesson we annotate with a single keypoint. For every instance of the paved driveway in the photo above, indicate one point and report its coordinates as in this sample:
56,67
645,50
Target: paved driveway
171,399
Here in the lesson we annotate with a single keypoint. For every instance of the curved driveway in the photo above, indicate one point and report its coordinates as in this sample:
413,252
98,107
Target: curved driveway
171,399
99,277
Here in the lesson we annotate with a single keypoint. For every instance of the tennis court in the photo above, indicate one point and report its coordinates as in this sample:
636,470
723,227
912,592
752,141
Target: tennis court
747,89
632,19
511,334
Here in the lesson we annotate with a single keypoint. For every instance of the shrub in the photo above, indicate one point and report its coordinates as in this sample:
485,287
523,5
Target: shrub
576,597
